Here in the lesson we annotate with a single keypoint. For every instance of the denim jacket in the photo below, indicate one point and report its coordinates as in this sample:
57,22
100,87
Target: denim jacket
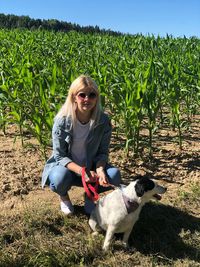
97,146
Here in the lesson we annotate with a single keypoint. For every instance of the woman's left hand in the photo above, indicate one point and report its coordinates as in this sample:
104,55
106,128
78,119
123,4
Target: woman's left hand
103,181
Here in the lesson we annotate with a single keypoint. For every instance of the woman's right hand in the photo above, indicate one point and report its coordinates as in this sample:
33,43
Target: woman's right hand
90,176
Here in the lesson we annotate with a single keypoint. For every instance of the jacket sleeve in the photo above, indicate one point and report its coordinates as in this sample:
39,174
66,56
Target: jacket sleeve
103,149
61,139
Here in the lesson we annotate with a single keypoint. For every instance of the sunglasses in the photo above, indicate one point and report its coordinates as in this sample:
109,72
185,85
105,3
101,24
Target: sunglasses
91,95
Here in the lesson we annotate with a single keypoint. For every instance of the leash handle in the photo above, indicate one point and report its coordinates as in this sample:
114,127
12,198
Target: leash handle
90,190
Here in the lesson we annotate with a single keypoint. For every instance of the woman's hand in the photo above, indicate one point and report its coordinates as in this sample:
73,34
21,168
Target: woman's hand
103,181
90,176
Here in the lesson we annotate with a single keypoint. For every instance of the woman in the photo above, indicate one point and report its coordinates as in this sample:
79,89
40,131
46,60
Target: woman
81,137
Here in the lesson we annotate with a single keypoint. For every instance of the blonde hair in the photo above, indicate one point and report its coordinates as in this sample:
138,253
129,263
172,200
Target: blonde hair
69,107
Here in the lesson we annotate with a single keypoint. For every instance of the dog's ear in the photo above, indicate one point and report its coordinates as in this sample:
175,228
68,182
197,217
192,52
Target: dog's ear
143,185
138,177
139,189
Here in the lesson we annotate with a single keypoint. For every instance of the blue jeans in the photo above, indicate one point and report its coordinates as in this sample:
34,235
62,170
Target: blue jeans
62,179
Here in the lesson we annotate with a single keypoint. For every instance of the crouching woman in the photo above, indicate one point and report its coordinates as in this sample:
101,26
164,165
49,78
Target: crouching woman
81,137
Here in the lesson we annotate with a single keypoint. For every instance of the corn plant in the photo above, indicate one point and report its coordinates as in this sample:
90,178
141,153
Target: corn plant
143,81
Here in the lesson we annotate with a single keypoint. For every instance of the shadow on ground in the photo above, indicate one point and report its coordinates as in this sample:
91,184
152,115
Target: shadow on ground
166,231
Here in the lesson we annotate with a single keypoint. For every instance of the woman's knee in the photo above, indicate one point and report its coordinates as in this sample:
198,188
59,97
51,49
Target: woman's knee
114,175
60,180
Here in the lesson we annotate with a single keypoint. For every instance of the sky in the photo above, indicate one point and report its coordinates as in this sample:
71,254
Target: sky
148,17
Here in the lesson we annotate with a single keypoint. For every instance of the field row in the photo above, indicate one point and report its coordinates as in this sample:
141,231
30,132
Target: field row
145,82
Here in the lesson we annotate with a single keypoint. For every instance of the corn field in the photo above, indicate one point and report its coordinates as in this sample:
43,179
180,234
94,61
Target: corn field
145,82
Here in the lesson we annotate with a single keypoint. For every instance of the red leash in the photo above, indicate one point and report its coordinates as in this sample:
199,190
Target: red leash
91,190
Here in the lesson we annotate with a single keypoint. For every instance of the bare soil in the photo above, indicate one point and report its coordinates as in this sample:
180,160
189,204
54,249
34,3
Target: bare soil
179,170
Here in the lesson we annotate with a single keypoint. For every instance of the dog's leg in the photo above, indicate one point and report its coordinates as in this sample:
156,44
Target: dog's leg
93,222
126,237
109,234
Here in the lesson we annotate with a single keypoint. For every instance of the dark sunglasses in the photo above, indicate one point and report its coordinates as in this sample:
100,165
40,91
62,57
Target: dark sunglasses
91,95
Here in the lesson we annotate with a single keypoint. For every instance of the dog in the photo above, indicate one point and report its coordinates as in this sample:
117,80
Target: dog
118,211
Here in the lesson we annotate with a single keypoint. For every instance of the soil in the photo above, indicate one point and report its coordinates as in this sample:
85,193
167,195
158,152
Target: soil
178,170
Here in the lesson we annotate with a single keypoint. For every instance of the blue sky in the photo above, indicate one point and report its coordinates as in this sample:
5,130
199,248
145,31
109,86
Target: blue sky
158,17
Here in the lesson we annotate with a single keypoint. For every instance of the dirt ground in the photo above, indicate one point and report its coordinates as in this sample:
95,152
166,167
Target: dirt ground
21,168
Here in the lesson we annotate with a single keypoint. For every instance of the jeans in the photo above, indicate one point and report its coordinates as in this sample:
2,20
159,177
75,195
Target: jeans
62,179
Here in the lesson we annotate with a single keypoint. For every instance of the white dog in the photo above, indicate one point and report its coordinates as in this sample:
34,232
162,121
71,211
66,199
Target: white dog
118,211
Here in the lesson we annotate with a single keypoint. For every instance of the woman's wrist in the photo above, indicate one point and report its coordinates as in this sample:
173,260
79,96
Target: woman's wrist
80,171
100,169
72,166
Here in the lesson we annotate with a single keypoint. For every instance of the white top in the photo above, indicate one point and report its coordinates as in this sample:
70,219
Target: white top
78,150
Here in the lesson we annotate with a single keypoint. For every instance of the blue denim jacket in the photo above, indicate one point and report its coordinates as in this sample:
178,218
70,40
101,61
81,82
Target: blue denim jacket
97,147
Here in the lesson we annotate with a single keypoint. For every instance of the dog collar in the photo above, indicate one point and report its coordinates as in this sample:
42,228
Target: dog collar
130,204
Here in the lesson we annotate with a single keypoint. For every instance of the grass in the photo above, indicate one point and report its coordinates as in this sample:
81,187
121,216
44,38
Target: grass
192,195
41,236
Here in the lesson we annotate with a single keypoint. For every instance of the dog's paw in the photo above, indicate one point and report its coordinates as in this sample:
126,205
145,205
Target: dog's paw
106,248
95,234
128,248
125,245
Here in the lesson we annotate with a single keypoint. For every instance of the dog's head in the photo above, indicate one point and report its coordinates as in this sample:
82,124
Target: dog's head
147,188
